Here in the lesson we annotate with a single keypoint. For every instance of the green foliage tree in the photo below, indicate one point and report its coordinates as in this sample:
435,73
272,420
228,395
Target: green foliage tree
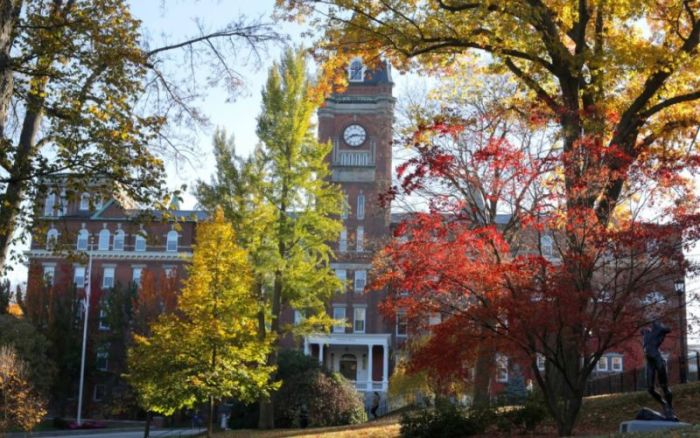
209,349
88,97
284,205
31,348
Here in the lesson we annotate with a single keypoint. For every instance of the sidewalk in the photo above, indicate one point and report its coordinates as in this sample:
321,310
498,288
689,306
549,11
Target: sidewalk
112,433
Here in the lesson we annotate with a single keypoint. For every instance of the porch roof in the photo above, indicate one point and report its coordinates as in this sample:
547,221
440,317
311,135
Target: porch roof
350,339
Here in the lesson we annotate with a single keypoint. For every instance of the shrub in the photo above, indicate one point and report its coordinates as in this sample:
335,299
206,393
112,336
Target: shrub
326,399
525,418
446,420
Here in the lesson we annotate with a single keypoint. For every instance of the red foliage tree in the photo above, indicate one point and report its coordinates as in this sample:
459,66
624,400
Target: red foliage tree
514,252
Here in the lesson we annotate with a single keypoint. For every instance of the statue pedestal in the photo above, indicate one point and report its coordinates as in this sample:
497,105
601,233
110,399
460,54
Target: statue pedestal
648,426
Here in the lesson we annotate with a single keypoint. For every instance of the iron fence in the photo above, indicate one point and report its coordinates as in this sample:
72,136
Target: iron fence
635,379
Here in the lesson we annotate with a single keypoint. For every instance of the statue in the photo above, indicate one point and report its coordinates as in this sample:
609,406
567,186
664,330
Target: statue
656,366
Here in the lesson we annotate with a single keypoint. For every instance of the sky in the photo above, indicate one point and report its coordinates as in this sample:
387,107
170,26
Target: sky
170,21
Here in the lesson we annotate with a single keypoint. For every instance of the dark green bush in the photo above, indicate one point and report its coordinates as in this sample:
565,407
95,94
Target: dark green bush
325,398
445,421
524,418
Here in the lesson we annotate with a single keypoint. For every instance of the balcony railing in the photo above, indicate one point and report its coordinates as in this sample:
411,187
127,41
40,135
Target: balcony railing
365,386
361,158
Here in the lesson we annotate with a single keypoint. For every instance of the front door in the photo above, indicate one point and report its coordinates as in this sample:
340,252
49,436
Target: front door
348,366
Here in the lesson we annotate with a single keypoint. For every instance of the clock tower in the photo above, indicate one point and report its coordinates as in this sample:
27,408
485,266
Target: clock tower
358,123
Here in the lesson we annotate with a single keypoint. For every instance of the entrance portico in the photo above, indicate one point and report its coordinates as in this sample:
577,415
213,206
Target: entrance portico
361,358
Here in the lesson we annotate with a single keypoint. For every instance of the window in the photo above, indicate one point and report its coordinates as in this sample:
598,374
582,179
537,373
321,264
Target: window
602,364
118,244
98,393
541,362
170,271
342,275
401,323
356,71
136,276
79,276
49,271
547,246
360,317
654,297
361,206
108,278
84,202
51,239
339,315
139,243
501,368
103,240
103,322
102,361
50,205
360,281
345,212
343,242
616,363
64,203
298,317
171,245
434,319
82,240
360,239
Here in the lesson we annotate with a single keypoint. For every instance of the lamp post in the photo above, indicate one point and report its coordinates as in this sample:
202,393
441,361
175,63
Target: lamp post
86,309
679,287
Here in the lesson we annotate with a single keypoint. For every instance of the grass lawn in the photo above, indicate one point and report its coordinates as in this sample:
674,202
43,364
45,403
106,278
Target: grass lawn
600,417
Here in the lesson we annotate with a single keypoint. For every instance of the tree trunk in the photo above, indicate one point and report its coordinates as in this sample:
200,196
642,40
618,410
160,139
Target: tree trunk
147,428
210,426
483,370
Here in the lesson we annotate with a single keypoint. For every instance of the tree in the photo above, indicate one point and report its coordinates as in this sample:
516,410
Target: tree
20,405
31,348
618,84
210,348
5,296
81,93
284,206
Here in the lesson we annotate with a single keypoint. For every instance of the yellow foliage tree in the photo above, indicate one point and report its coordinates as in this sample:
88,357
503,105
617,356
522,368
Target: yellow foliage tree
20,405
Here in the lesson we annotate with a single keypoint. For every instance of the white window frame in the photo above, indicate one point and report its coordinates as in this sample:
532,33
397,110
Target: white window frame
49,274
352,63
172,237
79,284
345,212
342,275
105,271
84,202
541,362
501,368
136,279
360,281
51,239
139,238
102,324
169,271
103,240
360,235
401,315
359,315
64,203
617,364
298,317
83,238
602,364
343,240
119,239
50,205
361,206
102,355
547,246
339,313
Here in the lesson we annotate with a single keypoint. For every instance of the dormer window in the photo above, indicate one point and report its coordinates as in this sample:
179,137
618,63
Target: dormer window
356,71
84,202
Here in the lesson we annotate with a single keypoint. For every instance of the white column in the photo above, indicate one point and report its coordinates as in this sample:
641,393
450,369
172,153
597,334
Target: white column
306,346
385,369
320,353
369,368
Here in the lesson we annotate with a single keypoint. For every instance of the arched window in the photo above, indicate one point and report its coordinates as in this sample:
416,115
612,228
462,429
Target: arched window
172,241
356,71
82,240
51,238
103,240
361,206
118,244
547,246
139,242
85,202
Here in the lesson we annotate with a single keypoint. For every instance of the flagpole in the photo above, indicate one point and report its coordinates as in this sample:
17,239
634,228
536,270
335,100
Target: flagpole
86,307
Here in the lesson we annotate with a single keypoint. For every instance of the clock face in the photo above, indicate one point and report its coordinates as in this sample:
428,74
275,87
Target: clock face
354,135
